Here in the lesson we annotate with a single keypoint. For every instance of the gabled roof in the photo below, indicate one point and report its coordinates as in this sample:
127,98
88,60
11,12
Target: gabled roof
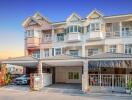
95,11
28,20
38,15
73,15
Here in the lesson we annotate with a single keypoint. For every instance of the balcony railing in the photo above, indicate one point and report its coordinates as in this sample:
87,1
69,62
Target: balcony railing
72,37
127,34
112,34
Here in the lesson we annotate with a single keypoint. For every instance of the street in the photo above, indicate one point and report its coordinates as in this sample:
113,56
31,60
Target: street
26,95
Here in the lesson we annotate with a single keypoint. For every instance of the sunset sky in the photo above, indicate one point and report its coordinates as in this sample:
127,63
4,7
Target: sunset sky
13,13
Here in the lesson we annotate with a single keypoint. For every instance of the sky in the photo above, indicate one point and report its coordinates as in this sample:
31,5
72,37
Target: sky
14,12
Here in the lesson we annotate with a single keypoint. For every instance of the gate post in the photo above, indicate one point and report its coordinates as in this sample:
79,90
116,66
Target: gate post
126,80
113,81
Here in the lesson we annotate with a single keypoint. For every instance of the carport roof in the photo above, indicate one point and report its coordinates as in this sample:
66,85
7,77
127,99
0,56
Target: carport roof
109,55
22,61
63,57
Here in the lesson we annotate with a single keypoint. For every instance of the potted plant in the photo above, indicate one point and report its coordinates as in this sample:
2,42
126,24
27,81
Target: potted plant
129,87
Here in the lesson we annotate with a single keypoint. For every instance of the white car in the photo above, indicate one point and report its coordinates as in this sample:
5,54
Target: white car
23,80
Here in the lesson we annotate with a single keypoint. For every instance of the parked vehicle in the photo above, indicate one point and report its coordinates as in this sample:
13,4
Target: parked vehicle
23,80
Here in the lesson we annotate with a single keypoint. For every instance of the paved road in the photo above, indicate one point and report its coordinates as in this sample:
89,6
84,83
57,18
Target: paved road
20,95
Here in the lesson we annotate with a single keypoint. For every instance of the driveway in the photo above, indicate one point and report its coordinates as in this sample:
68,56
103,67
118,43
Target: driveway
20,95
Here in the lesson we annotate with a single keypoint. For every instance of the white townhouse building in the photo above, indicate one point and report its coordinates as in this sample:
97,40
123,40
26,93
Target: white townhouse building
93,51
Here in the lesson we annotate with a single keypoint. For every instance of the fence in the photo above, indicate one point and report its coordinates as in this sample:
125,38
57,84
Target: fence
110,80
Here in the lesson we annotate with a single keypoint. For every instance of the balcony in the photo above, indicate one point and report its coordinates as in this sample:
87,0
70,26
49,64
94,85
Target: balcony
73,37
112,35
127,33
94,36
32,42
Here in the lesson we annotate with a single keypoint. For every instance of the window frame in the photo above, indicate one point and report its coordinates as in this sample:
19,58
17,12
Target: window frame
112,48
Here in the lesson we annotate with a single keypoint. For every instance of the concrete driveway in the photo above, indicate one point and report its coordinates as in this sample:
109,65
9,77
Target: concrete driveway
15,95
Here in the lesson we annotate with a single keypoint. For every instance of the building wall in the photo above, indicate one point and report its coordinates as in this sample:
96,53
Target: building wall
62,74
91,39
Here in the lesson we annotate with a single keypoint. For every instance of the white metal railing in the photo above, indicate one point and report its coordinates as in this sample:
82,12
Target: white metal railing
110,80
112,34
126,33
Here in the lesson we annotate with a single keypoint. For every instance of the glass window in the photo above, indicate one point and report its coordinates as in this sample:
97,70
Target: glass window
48,37
71,28
30,33
73,75
75,28
126,32
88,28
46,53
36,54
95,26
60,37
92,51
128,48
70,75
79,29
92,27
68,30
112,48
52,51
58,51
74,52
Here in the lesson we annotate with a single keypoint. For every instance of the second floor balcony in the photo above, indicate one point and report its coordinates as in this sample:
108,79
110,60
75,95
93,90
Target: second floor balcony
73,37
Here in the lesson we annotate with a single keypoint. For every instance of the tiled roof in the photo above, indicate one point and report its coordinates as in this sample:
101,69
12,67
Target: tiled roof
22,58
110,55
63,57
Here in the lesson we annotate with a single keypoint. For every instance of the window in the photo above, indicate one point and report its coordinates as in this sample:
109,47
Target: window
75,28
60,37
92,51
73,75
52,51
71,28
58,51
128,48
74,52
46,53
112,48
88,28
47,37
125,31
36,54
95,26
30,33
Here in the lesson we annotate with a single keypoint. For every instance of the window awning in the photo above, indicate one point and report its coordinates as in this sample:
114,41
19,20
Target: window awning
110,63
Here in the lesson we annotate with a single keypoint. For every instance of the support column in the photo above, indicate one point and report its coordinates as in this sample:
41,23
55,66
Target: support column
40,69
85,77
41,53
40,73
83,50
53,32
120,24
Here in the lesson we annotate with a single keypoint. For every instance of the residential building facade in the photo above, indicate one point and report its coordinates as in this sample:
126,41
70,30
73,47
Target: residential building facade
78,37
